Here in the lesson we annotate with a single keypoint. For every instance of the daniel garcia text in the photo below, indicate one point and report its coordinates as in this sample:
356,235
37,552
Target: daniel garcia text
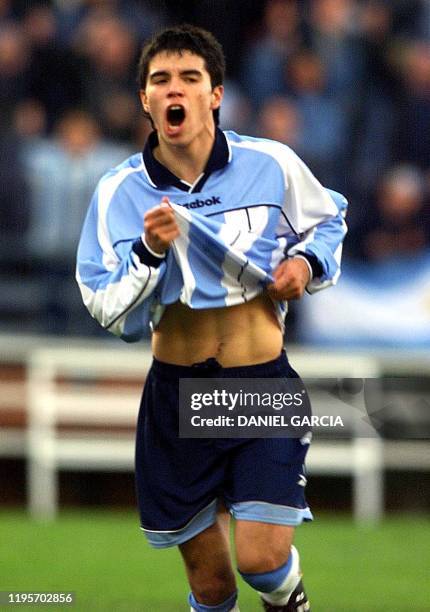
267,420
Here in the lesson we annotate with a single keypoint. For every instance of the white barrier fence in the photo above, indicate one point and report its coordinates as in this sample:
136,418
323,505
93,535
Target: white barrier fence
67,401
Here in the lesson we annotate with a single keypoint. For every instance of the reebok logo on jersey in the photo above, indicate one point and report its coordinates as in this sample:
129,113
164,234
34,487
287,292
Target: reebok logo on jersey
199,203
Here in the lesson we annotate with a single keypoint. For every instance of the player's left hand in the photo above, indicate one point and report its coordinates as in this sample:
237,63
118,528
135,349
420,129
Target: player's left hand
290,280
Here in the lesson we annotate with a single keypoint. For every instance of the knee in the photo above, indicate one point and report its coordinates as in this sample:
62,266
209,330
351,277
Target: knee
254,561
262,547
278,579
212,588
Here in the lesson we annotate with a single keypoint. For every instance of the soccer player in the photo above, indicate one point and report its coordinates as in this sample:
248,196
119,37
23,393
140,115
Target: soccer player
204,236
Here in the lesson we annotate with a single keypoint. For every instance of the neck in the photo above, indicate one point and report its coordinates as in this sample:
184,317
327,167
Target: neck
187,162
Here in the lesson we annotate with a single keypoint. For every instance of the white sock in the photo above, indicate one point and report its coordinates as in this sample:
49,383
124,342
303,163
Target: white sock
281,595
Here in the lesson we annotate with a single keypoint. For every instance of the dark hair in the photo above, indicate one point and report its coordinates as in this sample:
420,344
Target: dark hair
180,38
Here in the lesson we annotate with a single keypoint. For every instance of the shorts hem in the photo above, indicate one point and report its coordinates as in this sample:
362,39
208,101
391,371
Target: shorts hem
265,512
200,521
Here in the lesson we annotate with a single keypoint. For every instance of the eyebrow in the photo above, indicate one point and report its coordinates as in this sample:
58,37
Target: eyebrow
164,73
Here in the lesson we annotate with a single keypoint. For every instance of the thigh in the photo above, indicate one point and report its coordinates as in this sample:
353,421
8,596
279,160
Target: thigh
261,547
211,547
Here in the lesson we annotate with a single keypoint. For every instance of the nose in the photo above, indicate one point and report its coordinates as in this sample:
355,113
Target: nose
175,88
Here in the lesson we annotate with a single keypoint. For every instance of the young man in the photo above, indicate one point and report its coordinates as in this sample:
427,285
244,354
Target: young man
205,235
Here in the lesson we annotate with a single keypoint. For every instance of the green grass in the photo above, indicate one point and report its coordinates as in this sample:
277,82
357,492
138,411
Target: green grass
105,560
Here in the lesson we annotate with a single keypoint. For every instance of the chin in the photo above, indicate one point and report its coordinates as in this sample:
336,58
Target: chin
181,140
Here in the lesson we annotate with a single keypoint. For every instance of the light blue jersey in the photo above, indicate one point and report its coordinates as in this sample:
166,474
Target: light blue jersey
255,203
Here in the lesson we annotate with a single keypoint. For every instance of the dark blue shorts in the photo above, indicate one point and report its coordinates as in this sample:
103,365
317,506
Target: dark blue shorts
180,481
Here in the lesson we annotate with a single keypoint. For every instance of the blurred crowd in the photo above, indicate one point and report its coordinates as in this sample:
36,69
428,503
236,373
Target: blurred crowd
345,83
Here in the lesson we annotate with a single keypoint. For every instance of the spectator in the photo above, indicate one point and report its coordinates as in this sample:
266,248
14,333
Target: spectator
29,119
279,119
398,224
236,109
61,173
141,17
325,127
265,57
414,125
14,57
374,122
110,50
54,74
332,37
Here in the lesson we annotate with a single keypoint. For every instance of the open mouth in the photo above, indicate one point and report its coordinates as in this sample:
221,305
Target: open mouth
175,115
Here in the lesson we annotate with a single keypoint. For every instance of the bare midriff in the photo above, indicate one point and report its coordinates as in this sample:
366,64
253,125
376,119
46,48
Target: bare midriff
245,334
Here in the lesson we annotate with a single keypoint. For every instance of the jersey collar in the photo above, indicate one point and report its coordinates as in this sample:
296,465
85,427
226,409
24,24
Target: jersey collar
160,176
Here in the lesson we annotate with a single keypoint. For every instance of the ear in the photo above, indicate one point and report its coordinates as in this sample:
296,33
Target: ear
217,95
144,100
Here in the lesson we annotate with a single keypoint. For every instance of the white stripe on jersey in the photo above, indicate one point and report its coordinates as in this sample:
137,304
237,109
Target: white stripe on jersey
180,247
237,232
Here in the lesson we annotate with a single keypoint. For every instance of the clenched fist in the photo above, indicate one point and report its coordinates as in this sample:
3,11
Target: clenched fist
290,280
160,227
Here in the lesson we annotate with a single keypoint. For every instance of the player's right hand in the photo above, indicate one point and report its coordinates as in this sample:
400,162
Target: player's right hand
160,227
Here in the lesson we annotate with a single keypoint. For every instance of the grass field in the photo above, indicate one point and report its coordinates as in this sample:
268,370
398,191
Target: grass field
105,560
